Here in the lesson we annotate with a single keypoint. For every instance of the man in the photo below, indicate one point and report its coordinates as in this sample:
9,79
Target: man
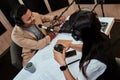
26,32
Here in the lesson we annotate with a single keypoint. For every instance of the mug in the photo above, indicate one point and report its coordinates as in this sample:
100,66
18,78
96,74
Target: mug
30,67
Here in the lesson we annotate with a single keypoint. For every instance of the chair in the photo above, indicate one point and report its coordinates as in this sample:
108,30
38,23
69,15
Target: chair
118,61
15,53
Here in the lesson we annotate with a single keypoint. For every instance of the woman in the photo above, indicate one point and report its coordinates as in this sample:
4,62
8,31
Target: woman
97,61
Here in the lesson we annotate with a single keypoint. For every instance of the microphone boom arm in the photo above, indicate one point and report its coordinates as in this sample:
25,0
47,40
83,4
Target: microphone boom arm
53,23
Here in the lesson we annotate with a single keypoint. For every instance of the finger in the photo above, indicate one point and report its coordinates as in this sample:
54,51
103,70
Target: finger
63,54
56,52
67,48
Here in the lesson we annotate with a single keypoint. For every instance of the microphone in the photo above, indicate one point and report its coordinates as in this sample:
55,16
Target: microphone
47,28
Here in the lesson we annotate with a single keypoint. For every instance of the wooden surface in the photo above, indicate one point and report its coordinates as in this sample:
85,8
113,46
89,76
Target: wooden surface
110,10
5,38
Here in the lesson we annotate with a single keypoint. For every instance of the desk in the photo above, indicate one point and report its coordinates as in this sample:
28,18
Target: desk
47,68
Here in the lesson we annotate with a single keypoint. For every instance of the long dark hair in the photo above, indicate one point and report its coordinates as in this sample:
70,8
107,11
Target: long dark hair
86,26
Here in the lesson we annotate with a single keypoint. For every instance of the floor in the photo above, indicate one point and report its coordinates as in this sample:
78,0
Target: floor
8,72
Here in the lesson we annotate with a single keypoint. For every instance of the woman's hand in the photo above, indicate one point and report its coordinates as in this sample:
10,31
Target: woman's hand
65,43
60,57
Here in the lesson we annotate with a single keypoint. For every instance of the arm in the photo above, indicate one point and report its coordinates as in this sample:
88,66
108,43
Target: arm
60,58
77,47
52,20
33,44
68,75
68,44
30,42
47,18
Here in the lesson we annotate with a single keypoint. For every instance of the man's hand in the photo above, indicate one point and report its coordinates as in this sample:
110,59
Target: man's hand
56,28
57,21
62,19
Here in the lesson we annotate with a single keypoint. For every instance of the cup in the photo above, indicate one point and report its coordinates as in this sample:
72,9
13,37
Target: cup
30,67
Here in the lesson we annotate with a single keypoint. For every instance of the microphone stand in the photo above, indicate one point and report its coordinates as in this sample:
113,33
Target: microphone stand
78,5
94,7
99,2
53,23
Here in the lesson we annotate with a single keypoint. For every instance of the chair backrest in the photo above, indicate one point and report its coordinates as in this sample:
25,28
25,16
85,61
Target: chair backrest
15,52
118,61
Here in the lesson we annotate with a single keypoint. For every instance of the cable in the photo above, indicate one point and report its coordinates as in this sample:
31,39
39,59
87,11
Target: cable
78,5
73,62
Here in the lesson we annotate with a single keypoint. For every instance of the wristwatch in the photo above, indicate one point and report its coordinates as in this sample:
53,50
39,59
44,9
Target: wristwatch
63,68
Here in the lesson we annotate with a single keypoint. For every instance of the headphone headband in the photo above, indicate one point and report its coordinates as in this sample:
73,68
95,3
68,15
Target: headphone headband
76,33
16,17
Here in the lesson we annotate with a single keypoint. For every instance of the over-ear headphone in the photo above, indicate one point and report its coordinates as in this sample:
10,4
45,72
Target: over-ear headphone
16,17
76,33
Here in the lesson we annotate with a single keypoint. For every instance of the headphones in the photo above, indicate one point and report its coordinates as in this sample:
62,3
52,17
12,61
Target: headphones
76,34
16,17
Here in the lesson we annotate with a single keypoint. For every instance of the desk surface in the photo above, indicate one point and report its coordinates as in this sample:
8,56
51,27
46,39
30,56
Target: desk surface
47,68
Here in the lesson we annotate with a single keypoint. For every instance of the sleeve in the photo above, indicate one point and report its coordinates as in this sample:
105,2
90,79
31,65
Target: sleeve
38,18
47,18
94,70
34,44
28,42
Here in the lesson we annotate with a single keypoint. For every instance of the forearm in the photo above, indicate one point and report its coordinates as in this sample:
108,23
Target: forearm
60,58
31,43
77,47
68,75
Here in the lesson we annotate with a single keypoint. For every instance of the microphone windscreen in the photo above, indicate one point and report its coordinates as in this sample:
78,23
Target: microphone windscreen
44,27
40,26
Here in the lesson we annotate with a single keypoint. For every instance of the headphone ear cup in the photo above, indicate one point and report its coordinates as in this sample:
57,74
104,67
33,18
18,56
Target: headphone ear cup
15,16
19,22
